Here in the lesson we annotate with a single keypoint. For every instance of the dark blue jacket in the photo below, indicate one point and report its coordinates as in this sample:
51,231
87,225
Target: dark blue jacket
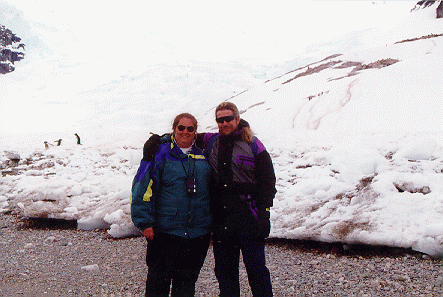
159,198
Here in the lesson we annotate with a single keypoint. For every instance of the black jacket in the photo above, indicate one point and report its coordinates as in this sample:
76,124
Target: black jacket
243,183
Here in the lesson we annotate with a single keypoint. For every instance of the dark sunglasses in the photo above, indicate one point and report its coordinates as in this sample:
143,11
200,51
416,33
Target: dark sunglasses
226,119
189,128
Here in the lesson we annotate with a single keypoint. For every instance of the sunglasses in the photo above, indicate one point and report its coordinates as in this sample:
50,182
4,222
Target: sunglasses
226,119
189,128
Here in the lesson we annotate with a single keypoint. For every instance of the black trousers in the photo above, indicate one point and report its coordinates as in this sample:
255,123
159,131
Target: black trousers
176,260
227,249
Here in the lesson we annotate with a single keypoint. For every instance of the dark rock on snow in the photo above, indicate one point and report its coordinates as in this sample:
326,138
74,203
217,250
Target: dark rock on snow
11,50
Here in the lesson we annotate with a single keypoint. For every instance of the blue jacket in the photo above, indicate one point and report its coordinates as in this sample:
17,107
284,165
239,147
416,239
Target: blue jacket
159,198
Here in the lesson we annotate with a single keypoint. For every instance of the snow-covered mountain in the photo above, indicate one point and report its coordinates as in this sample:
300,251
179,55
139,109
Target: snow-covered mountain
356,138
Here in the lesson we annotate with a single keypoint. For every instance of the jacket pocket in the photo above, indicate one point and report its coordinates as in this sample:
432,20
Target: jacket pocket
245,160
166,218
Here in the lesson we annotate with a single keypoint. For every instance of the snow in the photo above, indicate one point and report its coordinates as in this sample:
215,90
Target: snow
358,156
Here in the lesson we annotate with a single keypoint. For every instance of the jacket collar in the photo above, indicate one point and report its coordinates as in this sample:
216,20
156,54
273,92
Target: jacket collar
232,137
176,150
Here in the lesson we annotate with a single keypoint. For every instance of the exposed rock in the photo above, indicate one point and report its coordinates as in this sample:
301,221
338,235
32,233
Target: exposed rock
316,69
419,38
13,156
440,10
423,4
11,50
411,188
429,3
91,268
13,160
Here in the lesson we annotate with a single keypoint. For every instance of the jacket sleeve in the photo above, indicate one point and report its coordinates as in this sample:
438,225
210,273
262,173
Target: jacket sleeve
142,204
150,148
265,175
200,140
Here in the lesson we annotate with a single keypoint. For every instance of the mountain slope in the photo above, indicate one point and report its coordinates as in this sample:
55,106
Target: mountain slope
356,140
379,85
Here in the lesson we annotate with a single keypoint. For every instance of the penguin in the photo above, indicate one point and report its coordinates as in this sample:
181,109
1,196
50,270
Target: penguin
78,138
47,145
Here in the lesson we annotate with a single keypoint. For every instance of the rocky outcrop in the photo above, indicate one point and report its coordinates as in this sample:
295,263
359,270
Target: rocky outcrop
440,10
11,50
431,3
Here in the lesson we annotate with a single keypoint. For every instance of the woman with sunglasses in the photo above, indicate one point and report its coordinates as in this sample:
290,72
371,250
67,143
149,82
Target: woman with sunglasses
170,205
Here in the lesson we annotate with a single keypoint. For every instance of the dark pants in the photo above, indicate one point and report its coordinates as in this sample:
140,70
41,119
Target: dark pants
227,257
174,259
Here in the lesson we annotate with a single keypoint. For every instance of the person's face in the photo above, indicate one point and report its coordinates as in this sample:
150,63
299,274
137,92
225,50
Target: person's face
226,128
184,137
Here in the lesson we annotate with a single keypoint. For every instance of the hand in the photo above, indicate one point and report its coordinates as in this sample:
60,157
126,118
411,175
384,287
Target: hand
148,233
264,223
151,147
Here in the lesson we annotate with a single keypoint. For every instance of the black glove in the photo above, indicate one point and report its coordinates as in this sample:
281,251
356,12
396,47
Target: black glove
151,147
263,223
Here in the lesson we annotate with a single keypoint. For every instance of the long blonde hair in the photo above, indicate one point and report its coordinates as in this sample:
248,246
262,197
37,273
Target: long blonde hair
247,134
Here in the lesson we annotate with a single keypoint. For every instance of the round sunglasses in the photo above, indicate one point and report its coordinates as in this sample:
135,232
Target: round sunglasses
189,128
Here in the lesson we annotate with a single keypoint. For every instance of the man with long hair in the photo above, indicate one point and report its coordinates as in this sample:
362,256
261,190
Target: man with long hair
242,191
